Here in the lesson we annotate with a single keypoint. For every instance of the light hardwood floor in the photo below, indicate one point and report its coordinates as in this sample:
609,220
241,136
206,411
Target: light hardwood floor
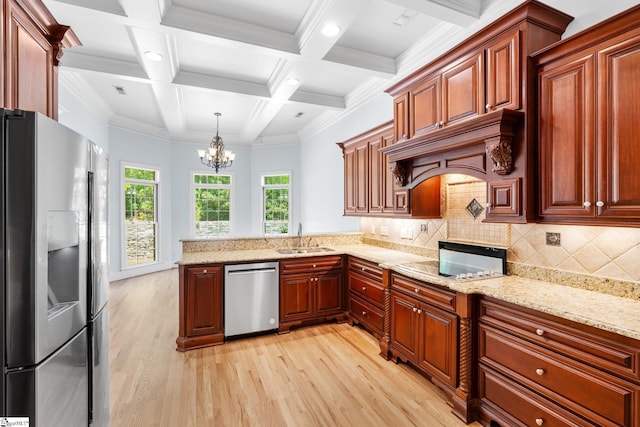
328,375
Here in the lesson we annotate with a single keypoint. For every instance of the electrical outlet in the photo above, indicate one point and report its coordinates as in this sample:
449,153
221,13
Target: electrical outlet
384,230
423,228
372,229
403,233
553,239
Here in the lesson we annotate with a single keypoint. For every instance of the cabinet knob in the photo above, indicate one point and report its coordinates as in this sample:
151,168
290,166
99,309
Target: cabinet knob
488,107
314,266
404,135
364,288
599,203
364,313
540,371
419,311
586,204
488,205
415,309
540,331
539,421
364,269
417,290
441,123
204,271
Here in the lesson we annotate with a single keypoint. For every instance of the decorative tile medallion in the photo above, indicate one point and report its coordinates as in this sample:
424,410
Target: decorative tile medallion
474,208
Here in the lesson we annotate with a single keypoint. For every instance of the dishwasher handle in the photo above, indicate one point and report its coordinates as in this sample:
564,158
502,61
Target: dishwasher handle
251,271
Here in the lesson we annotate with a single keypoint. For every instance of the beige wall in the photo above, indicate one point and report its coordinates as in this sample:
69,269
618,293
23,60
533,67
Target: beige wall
610,252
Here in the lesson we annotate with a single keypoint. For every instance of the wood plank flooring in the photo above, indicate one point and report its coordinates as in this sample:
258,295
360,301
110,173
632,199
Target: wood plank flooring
328,375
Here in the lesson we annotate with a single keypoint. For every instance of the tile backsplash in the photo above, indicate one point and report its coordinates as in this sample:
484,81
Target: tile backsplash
607,252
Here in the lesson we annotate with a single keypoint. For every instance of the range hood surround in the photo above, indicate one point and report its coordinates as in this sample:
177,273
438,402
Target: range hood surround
485,147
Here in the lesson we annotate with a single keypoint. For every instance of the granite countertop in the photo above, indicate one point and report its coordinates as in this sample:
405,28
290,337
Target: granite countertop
607,312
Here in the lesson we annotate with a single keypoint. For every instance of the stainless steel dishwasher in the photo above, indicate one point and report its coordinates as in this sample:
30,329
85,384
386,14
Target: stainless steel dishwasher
251,298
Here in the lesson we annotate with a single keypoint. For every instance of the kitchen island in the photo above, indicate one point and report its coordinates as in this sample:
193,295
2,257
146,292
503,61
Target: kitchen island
458,333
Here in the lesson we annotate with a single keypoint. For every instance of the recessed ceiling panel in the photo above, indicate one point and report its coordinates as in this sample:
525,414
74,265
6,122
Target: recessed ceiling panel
283,15
222,61
375,32
137,103
291,118
199,106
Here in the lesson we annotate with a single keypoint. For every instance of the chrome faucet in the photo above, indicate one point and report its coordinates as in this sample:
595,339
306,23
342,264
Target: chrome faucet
299,234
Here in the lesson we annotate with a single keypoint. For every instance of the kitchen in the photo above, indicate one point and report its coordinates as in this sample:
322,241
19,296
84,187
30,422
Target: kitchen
609,252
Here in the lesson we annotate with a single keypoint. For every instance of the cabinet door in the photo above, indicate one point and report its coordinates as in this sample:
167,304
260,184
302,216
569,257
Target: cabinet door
388,181
503,74
375,165
425,107
504,198
404,325
204,300
618,117
463,90
567,124
296,297
349,181
401,117
362,178
438,343
329,293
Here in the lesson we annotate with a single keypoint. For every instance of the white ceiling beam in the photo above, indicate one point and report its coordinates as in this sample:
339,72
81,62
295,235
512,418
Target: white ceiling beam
143,10
188,78
459,12
377,65
101,64
109,6
331,101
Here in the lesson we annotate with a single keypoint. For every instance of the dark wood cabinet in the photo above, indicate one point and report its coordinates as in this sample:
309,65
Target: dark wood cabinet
200,307
32,44
537,368
463,84
503,78
588,113
503,198
370,187
401,117
424,328
311,290
366,295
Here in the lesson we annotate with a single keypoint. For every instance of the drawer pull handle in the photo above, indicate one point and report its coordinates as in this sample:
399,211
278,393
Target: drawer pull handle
599,203
364,313
539,421
540,331
540,371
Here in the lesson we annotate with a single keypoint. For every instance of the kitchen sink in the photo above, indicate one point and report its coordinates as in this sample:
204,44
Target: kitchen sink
289,251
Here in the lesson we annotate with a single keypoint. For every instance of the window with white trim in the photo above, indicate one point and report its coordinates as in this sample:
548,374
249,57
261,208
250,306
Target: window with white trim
276,204
140,192
211,204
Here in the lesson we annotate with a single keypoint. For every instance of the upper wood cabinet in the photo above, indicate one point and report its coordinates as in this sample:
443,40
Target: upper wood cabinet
588,125
468,111
370,188
32,46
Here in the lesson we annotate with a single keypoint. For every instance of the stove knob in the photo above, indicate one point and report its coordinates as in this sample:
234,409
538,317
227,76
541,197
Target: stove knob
480,273
469,275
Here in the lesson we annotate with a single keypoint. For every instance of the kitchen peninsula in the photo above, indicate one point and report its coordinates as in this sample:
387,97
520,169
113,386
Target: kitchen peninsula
571,332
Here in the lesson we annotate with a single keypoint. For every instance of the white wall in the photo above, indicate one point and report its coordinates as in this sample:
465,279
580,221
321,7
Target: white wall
322,168
76,115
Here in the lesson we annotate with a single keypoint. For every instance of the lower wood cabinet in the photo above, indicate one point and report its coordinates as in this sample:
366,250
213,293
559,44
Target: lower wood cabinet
423,331
535,369
311,290
200,306
366,295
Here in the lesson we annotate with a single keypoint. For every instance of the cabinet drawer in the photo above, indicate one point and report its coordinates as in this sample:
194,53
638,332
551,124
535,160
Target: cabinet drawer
311,264
600,397
367,314
524,407
366,268
597,348
424,292
366,288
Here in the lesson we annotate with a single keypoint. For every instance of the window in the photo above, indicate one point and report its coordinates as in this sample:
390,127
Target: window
276,204
212,204
140,215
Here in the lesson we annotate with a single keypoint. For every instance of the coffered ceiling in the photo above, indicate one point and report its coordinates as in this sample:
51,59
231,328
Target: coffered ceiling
236,57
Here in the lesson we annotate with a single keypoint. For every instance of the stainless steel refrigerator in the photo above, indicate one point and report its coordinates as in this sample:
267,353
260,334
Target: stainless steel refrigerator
53,339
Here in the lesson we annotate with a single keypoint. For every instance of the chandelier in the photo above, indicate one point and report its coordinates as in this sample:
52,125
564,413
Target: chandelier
216,157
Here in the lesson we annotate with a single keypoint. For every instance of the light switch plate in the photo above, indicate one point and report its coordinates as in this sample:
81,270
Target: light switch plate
372,229
384,230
